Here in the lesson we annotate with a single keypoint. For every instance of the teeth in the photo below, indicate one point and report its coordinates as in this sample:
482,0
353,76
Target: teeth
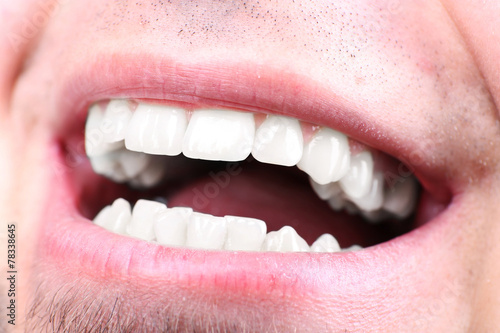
325,243
95,131
285,240
402,198
326,157
206,231
118,114
374,199
109,165
133,163
171,225
278,141
352,248
143,218
219,135
116,217
326,191
180,226
156,129
121,165
357,182
244,234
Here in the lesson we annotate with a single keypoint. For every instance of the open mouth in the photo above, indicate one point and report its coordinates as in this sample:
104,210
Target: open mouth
219,198
273,183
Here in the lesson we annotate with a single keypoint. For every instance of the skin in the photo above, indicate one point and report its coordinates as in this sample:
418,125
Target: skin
422,73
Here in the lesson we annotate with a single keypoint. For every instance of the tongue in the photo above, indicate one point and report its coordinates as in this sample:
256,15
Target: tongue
277,195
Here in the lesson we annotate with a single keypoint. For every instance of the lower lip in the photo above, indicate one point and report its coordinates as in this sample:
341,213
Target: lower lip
71,243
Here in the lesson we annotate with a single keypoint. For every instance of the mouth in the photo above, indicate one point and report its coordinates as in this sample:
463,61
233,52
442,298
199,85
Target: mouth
139,144
218,194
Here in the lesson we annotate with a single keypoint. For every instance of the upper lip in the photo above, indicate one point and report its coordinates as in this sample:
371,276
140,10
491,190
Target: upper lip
244,86
238,86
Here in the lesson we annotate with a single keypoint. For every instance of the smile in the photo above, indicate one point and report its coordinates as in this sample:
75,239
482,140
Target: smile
169,185
125,141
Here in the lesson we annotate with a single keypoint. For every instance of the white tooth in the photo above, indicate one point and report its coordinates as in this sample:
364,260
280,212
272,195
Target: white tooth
284,240
101,218
374,199
326,157
206,231
143,218
108,165
326,191
357,182
337,203
402,198
171,226
278,141
156,129
244,234
118,115
133,163
219,135
325,243
352,248
95,130
151,175
120,216
116,217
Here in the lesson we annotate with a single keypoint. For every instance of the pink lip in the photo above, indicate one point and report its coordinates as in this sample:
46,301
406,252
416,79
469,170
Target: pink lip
354,282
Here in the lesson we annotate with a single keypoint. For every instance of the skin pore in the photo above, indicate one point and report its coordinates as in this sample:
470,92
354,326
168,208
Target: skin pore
418,76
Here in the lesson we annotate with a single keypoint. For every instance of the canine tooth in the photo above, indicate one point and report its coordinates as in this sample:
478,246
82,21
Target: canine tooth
118,114
357,182
326,157
171,226
285,240
143,218
244,234
325,243
325,191
402,198
374,199
219,135
206,231
95,130
278,141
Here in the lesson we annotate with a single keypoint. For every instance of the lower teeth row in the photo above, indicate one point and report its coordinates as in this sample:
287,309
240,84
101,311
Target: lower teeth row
181,227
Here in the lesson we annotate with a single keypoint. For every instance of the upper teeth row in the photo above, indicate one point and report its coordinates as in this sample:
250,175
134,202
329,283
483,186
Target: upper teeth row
228,136
180,226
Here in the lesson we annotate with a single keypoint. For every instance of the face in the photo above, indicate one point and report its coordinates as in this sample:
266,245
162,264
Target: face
389,108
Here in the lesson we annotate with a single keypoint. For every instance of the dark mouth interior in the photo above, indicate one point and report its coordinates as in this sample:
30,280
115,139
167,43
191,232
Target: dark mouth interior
277,195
